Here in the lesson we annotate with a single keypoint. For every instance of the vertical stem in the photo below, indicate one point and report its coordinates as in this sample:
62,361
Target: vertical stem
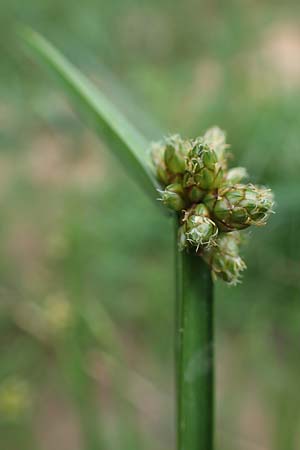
194,353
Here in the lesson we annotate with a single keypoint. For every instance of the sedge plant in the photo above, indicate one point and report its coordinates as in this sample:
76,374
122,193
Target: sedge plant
210,205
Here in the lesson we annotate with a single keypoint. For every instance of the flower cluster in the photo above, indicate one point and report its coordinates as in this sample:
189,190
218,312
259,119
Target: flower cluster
212,203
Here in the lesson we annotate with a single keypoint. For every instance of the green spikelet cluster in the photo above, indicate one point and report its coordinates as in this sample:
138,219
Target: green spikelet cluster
212,203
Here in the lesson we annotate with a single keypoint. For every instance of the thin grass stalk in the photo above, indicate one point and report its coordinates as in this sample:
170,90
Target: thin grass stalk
194,353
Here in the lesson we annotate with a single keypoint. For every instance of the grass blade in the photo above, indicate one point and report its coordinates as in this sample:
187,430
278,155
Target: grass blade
120,136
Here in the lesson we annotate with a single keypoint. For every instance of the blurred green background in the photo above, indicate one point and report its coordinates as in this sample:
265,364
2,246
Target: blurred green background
86,265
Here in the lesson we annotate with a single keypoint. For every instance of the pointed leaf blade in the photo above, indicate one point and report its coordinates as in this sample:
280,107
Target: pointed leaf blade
120,136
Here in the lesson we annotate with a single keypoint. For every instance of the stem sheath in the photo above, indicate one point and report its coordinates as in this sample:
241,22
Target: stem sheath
194,353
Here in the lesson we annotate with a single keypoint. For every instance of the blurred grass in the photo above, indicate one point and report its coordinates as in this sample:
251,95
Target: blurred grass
86,258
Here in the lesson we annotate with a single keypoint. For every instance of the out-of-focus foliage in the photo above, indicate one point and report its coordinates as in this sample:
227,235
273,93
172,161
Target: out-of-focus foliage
86,323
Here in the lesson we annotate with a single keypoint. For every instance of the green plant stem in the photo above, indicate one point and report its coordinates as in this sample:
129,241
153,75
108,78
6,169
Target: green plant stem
194,353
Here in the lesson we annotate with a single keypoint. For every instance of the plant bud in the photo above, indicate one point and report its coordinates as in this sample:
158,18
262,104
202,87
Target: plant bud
239,206
236,175
203,168
216,138
199,229
175,154
158,159
224,258
195,194
172,197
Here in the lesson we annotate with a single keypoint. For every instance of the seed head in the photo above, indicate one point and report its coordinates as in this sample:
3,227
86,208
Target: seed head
210,200
168,157
158,159
175,154
216,138
193,192
236,175
173,197
199,230
239,206
224,258
203,168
